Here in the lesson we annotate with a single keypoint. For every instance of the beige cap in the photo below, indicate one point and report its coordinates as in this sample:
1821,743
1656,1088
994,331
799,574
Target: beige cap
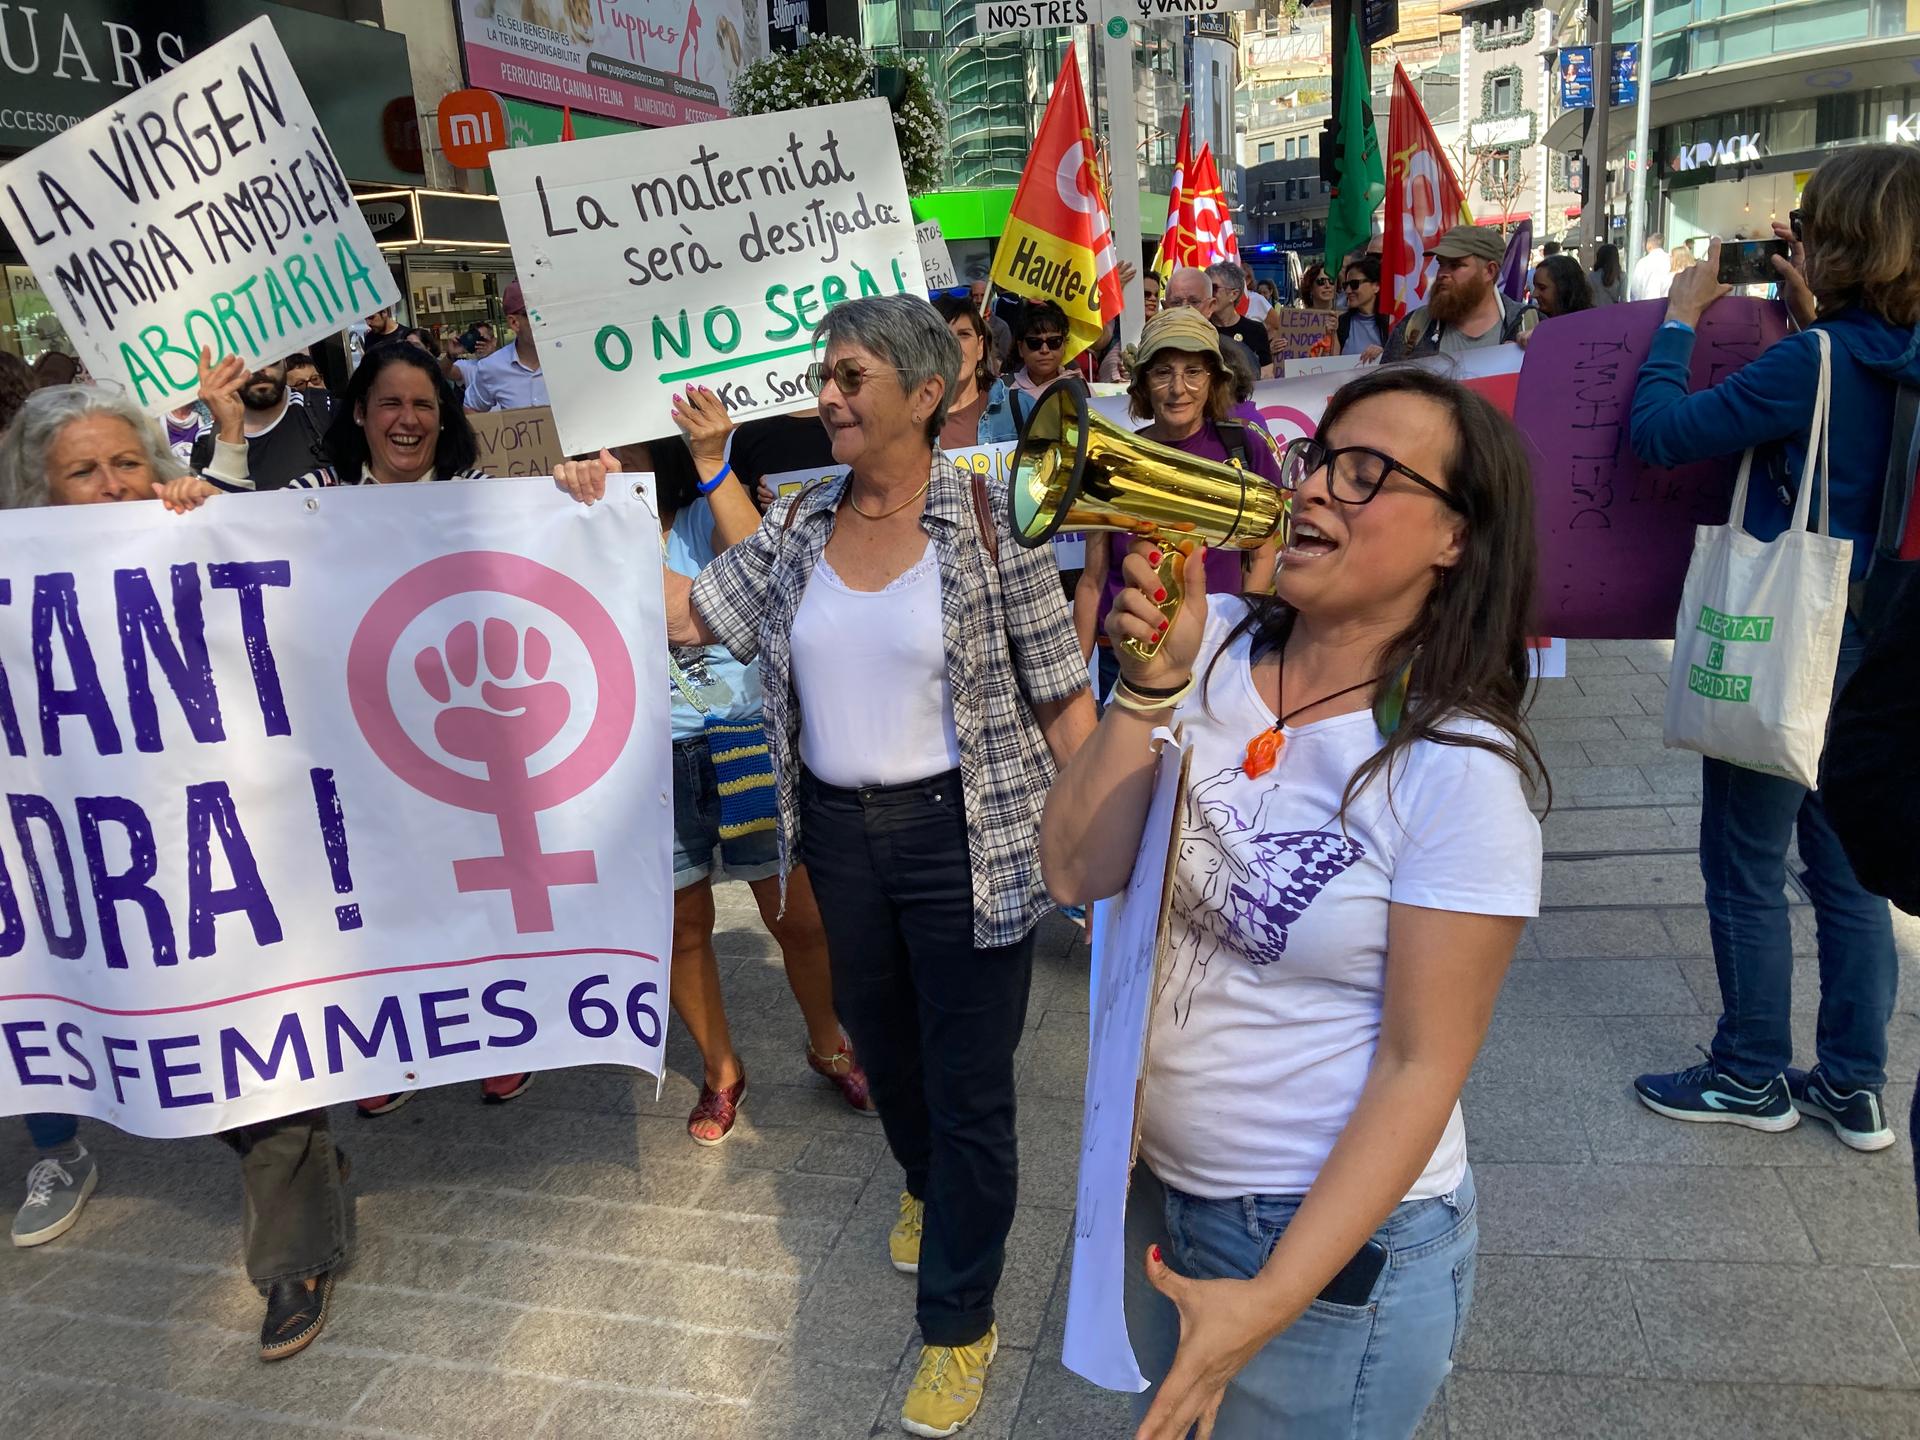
1183,328
1482,242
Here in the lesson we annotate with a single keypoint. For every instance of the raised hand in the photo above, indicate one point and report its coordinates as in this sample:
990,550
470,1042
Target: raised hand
220,393
514,721
702,415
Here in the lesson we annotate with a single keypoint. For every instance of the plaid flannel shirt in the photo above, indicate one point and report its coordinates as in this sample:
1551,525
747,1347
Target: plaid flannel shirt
1009,645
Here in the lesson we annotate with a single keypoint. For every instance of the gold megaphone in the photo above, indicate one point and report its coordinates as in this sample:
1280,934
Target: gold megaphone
1075,470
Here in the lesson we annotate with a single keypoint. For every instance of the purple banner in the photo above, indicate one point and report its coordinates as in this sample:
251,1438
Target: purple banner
1616,535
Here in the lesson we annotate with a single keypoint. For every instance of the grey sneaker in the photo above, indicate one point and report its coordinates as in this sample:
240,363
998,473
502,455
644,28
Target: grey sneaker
57,1191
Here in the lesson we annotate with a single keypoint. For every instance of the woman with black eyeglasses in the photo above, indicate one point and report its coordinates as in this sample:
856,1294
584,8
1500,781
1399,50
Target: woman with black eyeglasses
921,687
1357,862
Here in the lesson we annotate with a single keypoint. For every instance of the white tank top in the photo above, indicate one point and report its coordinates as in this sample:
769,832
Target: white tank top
870,669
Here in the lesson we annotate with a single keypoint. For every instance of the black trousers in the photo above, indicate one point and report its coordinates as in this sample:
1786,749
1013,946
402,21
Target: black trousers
295,1220
934,1021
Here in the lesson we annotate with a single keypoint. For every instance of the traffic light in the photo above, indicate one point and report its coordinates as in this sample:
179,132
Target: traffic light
1330,150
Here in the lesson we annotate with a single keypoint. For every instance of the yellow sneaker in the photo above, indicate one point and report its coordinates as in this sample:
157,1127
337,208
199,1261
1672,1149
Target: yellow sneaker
948,1385
904,1243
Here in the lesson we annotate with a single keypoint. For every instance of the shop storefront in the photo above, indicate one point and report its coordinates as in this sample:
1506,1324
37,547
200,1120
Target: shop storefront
64,62
1734,174
448,253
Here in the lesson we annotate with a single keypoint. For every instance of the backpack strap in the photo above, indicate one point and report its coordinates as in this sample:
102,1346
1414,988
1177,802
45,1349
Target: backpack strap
1233,435
1512,317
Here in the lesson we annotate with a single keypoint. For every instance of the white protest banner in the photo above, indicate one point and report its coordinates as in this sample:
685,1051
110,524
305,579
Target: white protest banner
322,794
994,16
1129,933
704,253
935,259
204,209
1162,9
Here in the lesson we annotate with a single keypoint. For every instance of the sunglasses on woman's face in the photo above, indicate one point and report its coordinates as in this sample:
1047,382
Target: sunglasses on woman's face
1043,342
1353,285
846,375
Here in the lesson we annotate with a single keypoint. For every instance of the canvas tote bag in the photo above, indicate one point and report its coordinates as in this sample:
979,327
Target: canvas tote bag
1758,632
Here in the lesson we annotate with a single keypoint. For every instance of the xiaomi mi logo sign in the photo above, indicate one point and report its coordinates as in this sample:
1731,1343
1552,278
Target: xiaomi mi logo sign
472,127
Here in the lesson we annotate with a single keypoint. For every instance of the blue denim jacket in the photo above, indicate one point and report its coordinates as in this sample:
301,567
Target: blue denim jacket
998,421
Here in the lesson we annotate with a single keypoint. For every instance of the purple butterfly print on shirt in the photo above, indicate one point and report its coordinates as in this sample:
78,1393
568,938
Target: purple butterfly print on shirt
1239,886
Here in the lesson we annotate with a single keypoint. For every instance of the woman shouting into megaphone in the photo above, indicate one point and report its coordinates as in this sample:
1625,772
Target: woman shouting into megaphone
1357,862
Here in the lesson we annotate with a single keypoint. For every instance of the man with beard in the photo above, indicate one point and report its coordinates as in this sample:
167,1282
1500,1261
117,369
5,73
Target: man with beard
270,432
1465,309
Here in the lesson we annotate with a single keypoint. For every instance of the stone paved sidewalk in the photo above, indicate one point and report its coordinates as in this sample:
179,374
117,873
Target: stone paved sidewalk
572,1265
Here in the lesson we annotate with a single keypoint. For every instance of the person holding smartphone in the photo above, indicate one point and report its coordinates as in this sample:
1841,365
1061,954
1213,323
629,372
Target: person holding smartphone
1357,862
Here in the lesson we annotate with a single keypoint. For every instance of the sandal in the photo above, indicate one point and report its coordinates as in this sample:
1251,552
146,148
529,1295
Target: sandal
845,1074
718,1107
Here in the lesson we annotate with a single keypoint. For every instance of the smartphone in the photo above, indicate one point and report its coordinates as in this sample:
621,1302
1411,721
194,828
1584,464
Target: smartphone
1750,262
1354,1284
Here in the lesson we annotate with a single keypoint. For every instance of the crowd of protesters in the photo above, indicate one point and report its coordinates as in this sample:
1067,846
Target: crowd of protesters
908,690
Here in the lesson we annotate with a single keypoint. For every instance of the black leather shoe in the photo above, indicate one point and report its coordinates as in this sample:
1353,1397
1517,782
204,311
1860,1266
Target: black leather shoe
295,1316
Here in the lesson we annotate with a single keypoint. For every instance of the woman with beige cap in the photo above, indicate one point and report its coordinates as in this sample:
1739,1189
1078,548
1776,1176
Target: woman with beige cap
1183,387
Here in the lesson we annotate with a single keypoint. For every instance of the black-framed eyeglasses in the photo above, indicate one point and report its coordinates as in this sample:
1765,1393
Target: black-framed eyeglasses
1043,342
847,375
1355,473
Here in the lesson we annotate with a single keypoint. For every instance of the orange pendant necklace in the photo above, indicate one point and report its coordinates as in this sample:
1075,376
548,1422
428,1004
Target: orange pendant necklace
1263,750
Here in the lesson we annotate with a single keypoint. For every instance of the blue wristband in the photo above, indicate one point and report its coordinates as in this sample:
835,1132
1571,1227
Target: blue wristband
1676,325
709,486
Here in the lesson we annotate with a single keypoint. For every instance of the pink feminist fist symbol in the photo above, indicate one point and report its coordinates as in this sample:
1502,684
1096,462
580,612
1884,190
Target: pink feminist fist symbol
499,710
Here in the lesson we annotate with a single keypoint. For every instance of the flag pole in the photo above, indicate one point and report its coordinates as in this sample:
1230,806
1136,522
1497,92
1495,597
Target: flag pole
1638,201
1115,32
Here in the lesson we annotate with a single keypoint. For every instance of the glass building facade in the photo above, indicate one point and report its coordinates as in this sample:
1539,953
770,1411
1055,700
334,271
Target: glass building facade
995,89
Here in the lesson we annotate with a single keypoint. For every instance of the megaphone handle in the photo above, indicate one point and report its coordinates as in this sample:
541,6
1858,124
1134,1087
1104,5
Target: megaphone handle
1173,560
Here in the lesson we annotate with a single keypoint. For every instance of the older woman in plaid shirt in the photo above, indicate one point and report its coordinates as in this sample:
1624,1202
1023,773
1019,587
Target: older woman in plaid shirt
922,687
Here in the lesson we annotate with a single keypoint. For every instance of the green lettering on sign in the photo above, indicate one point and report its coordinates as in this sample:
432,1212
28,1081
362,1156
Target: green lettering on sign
1735,627
1737,688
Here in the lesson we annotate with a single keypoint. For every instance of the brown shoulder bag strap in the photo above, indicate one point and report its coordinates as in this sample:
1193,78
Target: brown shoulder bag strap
983,514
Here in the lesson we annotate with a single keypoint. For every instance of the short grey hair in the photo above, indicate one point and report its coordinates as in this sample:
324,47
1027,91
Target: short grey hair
24,446
907,333
1227,273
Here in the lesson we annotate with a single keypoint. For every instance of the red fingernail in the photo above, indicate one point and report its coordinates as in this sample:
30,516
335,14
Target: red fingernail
1154,1251
1163,628
1159,595
1153,557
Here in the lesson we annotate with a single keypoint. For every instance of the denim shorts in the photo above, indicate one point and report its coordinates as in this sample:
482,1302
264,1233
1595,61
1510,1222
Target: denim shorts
696,825
1356,1372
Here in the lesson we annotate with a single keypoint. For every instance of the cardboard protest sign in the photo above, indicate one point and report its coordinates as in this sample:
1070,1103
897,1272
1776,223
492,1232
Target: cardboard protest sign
321,794
705,253
204,209
517,442
1296,332
1616,535
935,259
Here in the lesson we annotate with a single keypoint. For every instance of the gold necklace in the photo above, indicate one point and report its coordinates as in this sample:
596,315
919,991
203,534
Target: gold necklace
884,514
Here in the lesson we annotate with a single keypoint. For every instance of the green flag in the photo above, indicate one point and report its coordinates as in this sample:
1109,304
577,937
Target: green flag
1360,181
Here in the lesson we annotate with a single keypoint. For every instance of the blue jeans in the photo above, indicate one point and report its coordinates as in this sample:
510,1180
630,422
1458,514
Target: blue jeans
1342,1372
50,1132
1747,820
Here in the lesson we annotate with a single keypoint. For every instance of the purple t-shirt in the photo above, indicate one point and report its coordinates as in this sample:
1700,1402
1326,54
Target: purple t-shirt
1223,566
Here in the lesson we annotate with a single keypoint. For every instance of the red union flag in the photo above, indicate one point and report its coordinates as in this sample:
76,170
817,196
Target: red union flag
1058,243
1424,200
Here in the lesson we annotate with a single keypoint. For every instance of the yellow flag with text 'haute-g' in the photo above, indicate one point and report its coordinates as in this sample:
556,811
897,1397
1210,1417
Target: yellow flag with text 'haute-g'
1058,244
